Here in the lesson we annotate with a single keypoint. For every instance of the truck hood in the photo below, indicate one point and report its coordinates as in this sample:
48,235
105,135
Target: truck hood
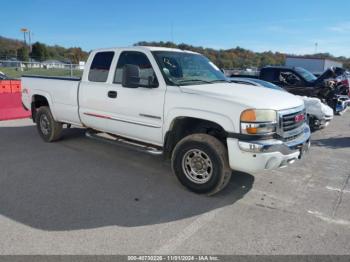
247,95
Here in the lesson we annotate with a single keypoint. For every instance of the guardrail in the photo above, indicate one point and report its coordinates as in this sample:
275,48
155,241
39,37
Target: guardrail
10,100
10,86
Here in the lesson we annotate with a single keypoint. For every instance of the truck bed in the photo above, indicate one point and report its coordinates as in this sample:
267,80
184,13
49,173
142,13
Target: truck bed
61,92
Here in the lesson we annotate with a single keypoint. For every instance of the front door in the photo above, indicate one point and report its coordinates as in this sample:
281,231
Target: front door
137,113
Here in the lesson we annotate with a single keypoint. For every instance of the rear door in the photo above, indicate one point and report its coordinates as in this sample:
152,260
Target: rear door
137,113
93,91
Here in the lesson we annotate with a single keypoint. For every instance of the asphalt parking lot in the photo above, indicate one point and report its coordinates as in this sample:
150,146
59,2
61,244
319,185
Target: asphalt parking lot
82,196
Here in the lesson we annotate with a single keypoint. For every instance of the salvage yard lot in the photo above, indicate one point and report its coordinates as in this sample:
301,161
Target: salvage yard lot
82,196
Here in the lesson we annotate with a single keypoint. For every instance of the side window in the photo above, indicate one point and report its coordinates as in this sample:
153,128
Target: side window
139,59
289,78
100,66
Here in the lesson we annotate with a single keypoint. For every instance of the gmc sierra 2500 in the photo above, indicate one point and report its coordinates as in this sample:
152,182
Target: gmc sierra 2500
178,103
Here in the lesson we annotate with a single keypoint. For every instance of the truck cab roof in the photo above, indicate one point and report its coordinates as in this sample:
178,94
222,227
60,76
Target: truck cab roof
143,48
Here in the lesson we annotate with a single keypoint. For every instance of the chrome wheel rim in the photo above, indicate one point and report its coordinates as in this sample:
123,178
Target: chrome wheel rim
197,166
44,125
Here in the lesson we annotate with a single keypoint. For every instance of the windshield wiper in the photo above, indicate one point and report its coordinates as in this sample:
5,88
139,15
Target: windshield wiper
193,80
220,80
173,82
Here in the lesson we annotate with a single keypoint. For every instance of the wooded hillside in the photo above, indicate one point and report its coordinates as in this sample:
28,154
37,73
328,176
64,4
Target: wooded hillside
12,48
224,58
242,58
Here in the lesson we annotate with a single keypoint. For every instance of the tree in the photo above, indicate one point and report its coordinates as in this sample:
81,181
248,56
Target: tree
23,54
39,51
76,55
237,57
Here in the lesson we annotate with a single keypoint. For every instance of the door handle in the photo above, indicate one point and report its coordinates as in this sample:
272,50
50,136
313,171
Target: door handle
112,94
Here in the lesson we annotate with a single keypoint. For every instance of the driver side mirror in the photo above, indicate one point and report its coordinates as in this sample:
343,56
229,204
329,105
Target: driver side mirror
131,76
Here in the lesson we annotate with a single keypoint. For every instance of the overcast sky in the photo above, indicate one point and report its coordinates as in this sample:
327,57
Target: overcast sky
286,26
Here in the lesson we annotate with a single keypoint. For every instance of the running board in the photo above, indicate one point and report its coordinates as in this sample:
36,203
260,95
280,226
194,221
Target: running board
153,150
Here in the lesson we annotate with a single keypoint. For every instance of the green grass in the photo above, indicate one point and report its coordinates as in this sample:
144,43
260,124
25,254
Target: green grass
13,73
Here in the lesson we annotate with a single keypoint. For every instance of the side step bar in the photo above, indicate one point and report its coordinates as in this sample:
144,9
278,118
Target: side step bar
153,150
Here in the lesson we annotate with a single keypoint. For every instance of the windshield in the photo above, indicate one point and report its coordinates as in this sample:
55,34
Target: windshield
308,76
181,68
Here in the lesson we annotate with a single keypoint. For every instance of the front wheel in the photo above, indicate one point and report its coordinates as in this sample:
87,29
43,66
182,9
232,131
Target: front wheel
311,121
200,163
48,128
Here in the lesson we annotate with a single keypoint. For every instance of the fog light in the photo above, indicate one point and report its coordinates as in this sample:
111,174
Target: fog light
291,161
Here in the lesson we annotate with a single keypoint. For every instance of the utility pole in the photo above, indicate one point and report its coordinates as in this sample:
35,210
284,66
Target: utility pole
24,31
30,40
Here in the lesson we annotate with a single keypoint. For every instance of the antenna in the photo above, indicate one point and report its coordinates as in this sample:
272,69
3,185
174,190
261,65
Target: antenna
316,48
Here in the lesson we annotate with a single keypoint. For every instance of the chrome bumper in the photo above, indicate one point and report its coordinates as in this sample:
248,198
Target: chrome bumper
300,143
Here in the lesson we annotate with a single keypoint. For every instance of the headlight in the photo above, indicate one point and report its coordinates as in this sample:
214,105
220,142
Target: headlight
258,122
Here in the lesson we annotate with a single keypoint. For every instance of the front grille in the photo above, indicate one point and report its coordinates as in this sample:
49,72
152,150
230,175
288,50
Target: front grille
289,126
289,123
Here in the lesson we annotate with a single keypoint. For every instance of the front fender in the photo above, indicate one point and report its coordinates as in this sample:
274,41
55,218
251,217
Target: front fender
222,120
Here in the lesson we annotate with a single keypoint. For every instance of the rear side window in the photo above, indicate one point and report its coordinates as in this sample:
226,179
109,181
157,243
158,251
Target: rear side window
139,59
289,78
100,66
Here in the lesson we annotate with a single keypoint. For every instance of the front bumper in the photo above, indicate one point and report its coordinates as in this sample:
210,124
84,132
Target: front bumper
321,123
259,155
342,104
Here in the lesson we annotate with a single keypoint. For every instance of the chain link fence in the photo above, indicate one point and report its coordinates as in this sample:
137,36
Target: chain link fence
15,69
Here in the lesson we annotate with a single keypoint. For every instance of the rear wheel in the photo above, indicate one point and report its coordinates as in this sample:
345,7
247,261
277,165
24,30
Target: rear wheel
48,128
200,163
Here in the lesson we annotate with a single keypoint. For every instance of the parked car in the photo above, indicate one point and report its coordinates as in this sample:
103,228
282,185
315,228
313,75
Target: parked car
299,81
3,76
319,114
334,92
177,103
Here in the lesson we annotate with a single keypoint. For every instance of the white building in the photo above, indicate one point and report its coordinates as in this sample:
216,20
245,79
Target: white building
54,64
314,65
81,65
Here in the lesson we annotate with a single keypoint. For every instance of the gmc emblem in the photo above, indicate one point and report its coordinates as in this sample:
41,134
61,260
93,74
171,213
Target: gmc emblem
299,118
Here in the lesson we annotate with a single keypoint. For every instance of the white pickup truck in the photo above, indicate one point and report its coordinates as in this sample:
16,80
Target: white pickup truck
177,103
